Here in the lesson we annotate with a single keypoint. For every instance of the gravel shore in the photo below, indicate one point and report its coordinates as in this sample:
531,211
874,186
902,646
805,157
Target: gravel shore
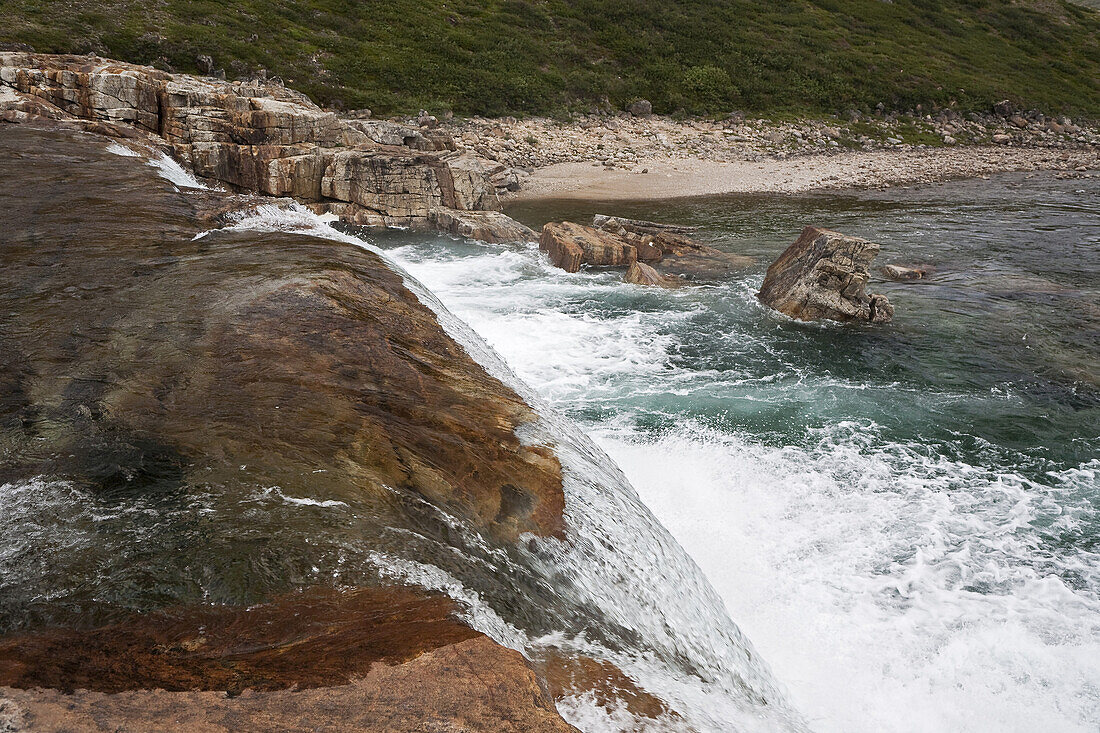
645,157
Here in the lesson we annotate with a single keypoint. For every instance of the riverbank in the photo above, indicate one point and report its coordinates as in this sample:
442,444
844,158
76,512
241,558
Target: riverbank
652,157
662,179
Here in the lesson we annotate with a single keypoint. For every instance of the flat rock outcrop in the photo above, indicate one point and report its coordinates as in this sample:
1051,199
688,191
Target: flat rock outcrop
572,245
262,137
670,249
824,274
383,659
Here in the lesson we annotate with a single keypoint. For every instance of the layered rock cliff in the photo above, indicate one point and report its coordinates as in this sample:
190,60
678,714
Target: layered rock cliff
260,136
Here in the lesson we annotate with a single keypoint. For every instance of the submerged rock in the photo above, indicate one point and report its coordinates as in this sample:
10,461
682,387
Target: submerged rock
901,273
640,273
824,274
669,250
571,245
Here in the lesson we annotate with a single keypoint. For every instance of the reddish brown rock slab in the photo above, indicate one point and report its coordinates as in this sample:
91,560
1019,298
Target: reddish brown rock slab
472,685
669,248
824,274
571,245
314,638
640,273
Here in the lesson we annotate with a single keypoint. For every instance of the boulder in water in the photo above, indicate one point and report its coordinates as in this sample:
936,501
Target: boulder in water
670,250
571,245
902,273
824,274
640,273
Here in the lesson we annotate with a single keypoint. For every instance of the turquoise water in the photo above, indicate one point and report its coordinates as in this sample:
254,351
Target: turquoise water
904,518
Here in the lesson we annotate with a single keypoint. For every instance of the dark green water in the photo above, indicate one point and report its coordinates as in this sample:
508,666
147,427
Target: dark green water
905,518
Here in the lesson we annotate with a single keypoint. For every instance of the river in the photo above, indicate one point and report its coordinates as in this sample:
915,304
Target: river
903,518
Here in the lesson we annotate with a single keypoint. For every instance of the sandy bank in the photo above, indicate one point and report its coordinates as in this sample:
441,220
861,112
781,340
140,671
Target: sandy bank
839,170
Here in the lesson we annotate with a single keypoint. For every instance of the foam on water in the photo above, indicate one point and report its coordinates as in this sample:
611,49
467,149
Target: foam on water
655,615
890,586
889,591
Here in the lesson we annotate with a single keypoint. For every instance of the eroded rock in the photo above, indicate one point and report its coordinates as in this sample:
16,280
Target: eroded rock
640,273
258,136
571,245
902,273
824,274
669,249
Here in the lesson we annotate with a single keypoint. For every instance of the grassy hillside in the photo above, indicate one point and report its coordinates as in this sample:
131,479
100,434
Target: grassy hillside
494,57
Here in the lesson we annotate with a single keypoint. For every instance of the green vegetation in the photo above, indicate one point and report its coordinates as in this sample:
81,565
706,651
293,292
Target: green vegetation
496,57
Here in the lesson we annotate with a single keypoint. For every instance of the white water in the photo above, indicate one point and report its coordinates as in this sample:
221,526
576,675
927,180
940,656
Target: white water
888,589
615,558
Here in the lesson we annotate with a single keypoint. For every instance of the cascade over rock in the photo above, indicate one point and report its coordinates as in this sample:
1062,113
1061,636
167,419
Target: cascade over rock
159,363
260,136
824,274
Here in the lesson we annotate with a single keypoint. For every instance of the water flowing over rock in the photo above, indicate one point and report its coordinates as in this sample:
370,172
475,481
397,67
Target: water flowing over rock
260,136
210,410
824,274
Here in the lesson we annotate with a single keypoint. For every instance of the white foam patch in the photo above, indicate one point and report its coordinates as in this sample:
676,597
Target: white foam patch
889,591
125,152
172,171
304,500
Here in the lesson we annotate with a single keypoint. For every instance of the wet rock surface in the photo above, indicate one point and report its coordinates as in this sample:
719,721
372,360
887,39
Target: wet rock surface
665,249
258,136
315,638
320,343
669,249
468,685
149,368
572,245
824,274
639,273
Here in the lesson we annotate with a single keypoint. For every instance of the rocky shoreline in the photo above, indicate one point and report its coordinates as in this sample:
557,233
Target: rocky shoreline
452,175
640,157
261,137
